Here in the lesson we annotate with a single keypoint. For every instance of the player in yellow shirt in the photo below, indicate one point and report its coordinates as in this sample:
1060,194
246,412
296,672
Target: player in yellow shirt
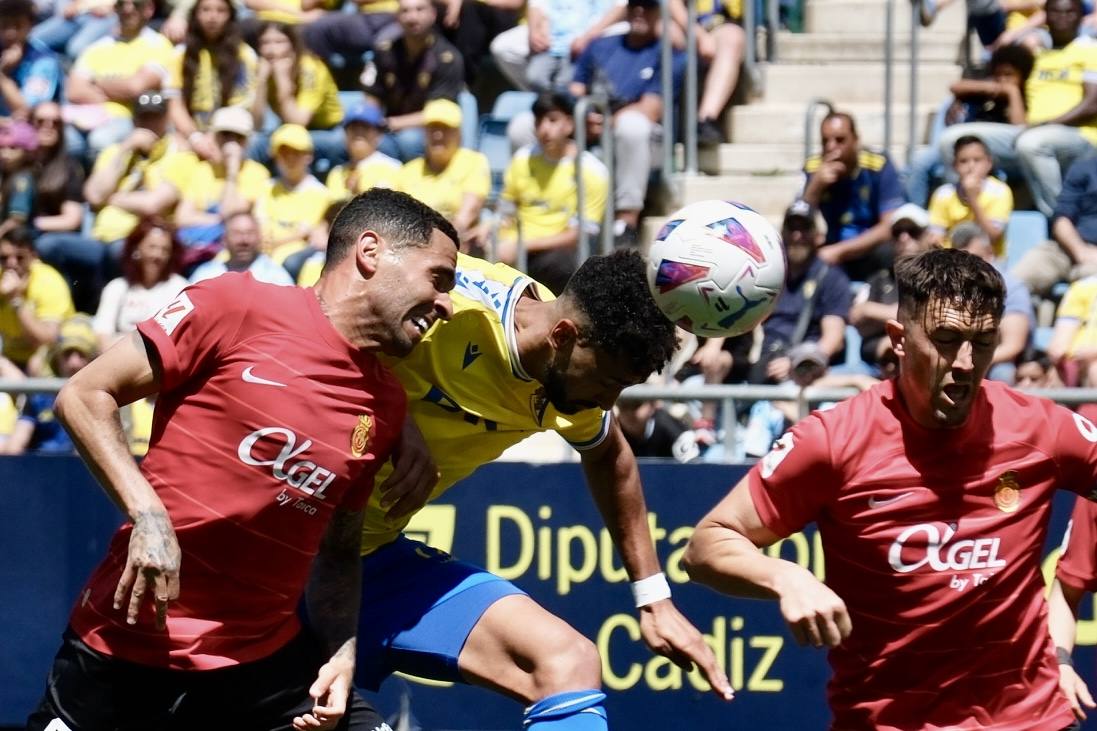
540,183
34,299
449,178
977,197
512,361
295,201
368,167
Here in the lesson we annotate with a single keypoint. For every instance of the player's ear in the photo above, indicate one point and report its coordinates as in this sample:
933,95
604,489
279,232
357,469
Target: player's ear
897,334
367,252
564,334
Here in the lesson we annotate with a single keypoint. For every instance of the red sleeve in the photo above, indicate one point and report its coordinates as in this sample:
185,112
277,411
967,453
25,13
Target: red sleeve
1075,448
792,484
195,327
1078,562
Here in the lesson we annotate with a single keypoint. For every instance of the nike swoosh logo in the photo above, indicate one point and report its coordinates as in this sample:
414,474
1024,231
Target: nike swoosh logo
250,377
874,502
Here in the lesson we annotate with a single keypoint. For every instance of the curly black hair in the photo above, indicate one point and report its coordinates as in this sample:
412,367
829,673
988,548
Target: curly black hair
622,317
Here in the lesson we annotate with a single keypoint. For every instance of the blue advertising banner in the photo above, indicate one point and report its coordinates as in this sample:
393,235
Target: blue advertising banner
534,525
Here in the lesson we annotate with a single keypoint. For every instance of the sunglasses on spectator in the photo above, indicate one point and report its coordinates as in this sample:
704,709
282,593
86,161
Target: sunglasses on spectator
911,231
47,121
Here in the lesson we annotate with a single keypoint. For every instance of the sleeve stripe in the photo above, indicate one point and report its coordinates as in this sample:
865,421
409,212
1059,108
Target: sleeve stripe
598,438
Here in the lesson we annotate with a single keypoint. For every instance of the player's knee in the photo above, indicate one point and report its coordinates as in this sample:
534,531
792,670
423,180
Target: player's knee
570,662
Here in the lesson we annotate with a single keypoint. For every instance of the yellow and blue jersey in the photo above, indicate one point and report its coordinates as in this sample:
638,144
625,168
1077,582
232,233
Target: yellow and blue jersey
853,205
468,392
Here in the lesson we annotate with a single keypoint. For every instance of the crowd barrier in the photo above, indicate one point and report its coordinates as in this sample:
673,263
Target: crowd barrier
535,525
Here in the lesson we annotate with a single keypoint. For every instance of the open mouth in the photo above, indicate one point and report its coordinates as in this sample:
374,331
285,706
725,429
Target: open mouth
957,392
421,324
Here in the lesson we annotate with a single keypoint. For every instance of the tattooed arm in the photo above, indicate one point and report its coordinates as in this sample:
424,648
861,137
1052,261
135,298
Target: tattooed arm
333,595
88,407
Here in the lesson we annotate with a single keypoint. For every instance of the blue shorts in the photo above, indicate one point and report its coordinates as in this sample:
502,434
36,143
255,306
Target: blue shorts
419,605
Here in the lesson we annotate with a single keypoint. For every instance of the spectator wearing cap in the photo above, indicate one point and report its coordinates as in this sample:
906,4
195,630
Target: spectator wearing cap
976,197
295,200
408,71
363,125
29,72
110,76
220,186
878,301
1018,320
539,186
34,299
18,142
812,308
212,68
628,67
856,189
295,87
243,254
449,178
1072,254
37,429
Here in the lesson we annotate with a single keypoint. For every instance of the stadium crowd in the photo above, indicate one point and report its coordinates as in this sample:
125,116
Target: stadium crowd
144,145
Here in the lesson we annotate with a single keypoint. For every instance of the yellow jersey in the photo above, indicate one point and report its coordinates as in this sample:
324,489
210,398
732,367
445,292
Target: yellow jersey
946,210
285,213
311,269
203,186
544,193
1080,303
376,171
467,172
112,57
1055,85
468,391
48,295
206,95
165,162
316,92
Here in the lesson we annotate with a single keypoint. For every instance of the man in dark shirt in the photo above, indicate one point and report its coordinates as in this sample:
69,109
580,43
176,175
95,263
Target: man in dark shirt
1073,253
408,71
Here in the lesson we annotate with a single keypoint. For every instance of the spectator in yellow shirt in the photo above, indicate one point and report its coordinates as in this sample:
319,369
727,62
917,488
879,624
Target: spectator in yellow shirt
298,88
976,197
213,68
449,178
111,75
1073,346
295,201
34,299
540,184
363,125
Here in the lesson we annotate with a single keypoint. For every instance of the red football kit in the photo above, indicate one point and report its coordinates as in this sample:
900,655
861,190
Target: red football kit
932,538
267,421
1078,562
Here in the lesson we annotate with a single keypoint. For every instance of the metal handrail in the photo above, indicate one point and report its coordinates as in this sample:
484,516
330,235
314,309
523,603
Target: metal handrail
773,24
608,151
690,122
666,64
809,121
889,63
912,113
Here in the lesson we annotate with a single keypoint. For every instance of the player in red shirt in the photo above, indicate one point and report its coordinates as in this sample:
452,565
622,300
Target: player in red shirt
273,415
932,495
1075,575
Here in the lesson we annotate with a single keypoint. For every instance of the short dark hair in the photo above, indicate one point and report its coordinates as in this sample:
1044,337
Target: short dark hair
19,236
1015,55
622,317
846,116
17,9
949,276
553,101
399,218
966,140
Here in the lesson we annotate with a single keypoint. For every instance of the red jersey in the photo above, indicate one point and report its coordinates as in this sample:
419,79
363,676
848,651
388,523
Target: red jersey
1078,561
932,538
267,421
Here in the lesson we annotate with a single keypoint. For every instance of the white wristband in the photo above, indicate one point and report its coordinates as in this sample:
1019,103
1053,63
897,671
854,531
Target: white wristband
650,590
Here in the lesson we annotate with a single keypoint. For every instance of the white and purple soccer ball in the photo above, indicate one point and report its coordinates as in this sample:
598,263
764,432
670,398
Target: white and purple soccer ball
716,268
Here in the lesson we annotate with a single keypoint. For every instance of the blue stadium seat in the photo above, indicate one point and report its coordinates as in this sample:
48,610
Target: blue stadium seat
470,120
496,147
1025,230
1041,338
511,103
853,348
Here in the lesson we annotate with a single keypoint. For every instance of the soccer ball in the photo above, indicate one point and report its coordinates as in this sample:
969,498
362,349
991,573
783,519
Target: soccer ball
716,268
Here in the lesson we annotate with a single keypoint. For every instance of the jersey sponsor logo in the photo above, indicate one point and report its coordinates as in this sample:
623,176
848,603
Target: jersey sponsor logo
941,555
875,502
303,474
169,318
57,725
250,377
472,352
777,454
1085,427
1007,495
359,438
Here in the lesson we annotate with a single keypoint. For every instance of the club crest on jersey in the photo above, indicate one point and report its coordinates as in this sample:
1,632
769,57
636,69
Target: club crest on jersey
359,438
1007,495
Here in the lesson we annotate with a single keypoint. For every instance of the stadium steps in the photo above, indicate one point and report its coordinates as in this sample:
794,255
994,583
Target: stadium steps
934,47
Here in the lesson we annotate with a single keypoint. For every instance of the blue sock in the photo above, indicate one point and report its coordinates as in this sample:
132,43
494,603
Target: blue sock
574,710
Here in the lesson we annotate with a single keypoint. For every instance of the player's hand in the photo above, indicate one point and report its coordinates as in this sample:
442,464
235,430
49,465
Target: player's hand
151,565
329,693
815,614
671,635
413,477
1074,688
